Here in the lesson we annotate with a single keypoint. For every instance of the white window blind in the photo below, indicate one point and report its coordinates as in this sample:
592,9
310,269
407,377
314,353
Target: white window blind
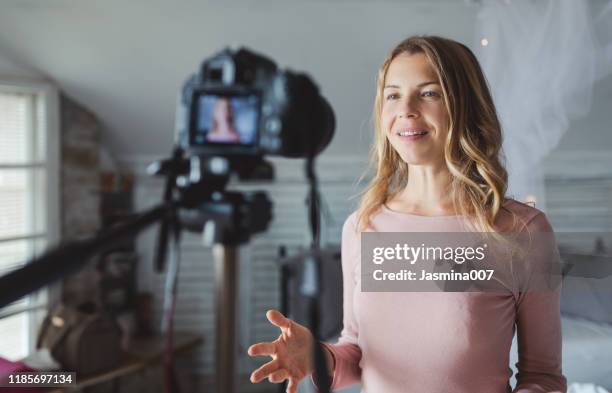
27,202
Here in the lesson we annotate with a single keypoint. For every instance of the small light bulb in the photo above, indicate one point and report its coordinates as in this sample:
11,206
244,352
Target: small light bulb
484,42
531,200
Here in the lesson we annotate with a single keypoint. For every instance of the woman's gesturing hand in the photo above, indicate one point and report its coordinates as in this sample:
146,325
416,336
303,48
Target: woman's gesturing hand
291,353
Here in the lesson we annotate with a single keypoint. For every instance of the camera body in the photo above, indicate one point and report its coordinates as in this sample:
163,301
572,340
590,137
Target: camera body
241,104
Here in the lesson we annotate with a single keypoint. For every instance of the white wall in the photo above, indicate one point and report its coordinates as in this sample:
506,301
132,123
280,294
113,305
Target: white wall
13,69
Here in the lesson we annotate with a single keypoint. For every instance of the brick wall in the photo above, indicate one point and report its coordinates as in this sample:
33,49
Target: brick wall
80,198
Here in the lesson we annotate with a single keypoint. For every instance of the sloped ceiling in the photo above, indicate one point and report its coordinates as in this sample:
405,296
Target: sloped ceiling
126,60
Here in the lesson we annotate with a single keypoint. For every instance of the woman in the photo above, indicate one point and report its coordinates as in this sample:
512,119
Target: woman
223,129
437,142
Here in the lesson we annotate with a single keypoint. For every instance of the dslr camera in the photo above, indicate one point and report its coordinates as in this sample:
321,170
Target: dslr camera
241,104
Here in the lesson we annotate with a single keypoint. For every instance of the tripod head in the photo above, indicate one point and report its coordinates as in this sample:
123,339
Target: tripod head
205,206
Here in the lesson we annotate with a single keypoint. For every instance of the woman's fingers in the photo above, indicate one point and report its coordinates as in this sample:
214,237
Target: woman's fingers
263,371
272,369
292,386
262,349
278,319
278,376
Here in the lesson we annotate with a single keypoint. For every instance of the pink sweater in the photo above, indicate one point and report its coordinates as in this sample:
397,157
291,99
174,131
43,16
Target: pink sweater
415,342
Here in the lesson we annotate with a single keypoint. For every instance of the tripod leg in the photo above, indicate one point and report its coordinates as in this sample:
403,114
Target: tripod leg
226,271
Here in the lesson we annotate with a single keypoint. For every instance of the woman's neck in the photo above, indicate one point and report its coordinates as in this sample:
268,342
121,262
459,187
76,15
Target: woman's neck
426,193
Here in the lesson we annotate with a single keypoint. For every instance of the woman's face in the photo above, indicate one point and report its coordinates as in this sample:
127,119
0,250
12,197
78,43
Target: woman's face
414,117
223,110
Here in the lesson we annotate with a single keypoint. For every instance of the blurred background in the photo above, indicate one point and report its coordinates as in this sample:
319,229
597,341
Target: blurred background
88,94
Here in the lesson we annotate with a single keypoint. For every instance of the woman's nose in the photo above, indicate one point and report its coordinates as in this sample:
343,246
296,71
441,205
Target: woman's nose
408,109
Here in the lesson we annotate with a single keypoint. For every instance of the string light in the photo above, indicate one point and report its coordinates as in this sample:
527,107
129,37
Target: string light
484,42
531,200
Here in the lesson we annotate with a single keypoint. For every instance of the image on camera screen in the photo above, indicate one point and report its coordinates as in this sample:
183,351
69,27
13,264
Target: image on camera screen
227,119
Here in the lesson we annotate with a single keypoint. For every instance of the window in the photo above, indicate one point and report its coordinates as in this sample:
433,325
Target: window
29,200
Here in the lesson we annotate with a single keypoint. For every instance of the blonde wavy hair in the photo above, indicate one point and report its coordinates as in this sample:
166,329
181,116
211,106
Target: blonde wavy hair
473,145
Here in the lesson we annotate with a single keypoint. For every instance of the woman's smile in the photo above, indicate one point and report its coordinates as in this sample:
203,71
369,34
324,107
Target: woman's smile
412,135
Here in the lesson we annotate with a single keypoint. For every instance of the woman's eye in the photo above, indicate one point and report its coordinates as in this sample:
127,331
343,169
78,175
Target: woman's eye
392,96
430,93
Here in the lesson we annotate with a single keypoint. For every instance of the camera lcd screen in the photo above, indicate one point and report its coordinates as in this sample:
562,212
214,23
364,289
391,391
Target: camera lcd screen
225,119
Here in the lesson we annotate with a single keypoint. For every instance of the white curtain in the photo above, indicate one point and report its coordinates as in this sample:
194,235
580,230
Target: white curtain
542,60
